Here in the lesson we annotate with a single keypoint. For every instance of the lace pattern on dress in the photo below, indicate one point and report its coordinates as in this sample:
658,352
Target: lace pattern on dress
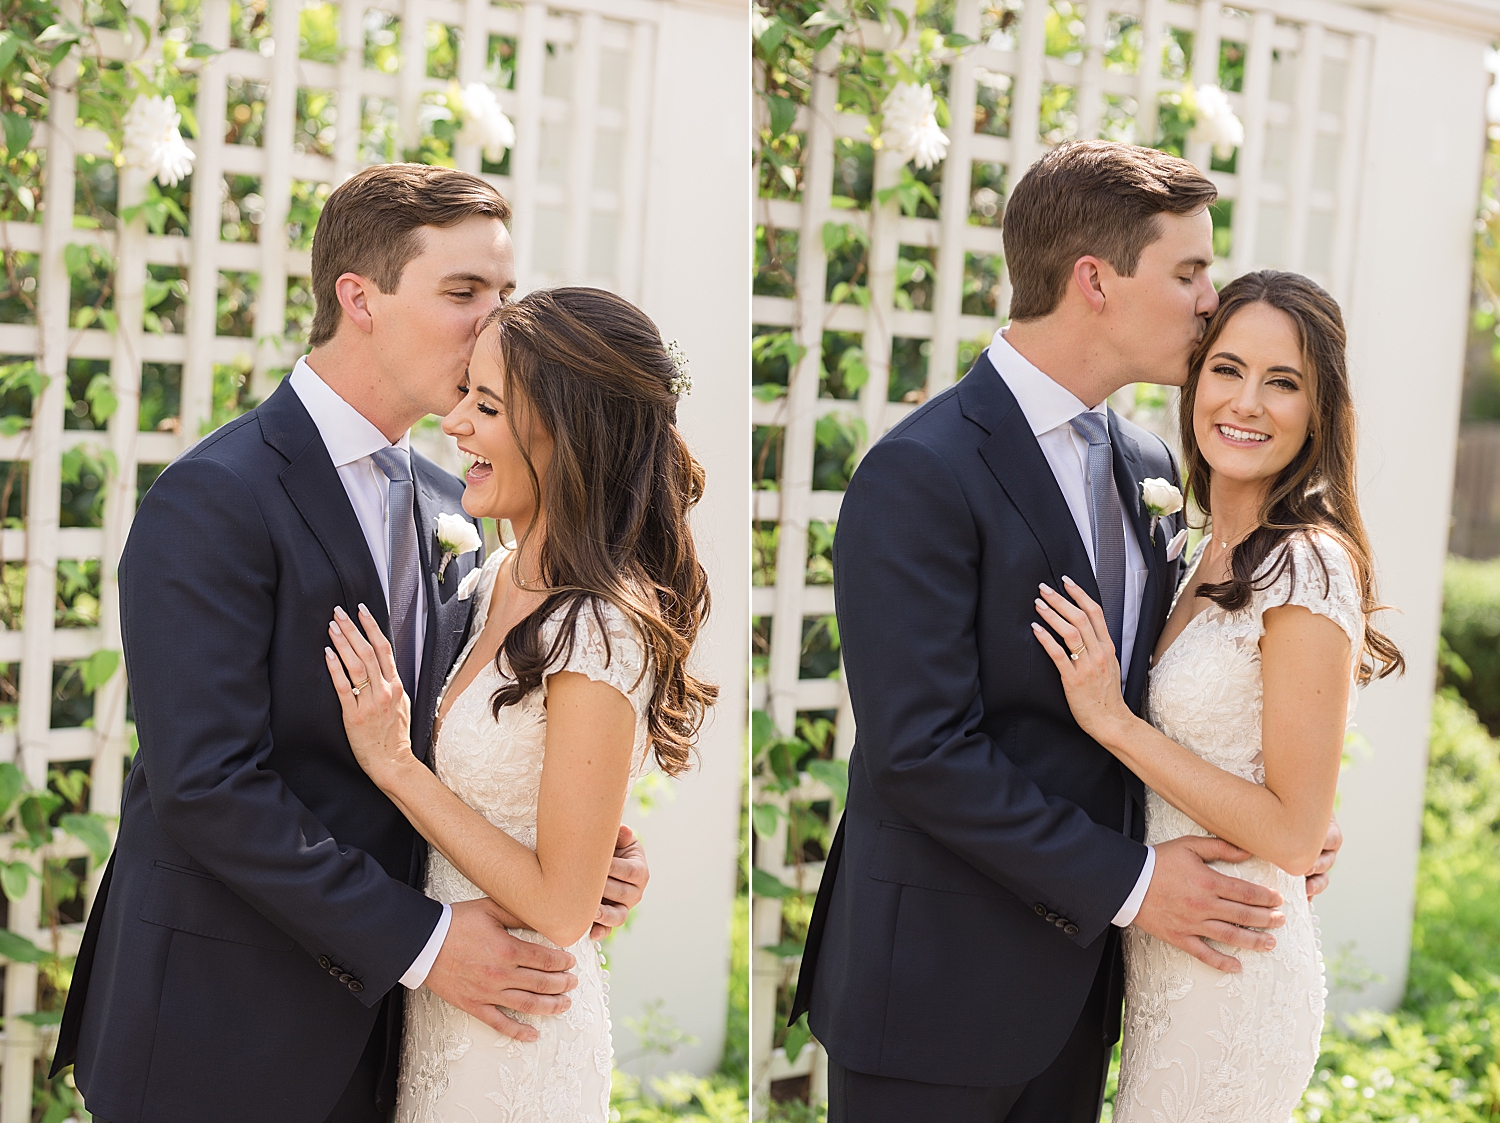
1201,1046
454,1068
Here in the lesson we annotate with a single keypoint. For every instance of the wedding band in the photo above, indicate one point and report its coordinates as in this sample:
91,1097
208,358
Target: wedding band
358,686
1075,654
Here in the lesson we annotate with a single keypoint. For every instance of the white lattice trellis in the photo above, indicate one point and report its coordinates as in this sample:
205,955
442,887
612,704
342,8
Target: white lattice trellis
1291,203
584,79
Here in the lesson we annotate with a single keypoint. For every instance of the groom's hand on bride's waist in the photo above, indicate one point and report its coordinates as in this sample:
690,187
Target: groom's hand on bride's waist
626,886
1317,877
482,967
1187,903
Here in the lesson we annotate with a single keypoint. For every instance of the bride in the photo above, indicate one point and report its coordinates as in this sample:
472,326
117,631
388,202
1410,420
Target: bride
1250,693
575,674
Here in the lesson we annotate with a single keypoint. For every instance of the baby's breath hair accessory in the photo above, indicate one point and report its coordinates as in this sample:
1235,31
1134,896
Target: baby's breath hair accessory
682,381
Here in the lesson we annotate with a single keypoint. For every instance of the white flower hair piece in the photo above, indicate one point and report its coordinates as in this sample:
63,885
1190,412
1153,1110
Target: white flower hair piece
485,124
910,128
1216,121
153,141
682,381
456,535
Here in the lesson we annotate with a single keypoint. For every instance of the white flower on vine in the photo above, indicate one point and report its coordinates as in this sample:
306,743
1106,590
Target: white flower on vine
153,141
485,123
1216,122
910,125
760,23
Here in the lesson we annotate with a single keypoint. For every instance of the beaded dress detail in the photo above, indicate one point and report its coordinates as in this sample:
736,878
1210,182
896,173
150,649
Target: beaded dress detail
1201,1046
454,1068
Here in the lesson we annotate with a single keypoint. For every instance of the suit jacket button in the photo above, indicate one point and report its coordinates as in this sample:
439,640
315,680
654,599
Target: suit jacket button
1071,930
356,986
1039,908
324,962
1052,918
346,978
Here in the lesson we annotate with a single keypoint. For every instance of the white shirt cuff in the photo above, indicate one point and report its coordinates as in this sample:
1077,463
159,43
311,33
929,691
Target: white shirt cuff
1132,904
416,974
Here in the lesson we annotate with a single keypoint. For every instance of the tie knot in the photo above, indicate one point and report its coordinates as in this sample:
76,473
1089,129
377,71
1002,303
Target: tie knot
394,462
1092,427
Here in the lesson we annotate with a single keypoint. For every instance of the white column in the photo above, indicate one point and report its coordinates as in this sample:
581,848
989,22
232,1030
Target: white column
1407,328
697,265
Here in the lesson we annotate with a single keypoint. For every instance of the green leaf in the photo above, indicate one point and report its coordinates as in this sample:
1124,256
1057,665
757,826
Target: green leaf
825,38
764,884
76,259
787,950
89,830
853,368
842,203
102,400
822,18
11,783
43,1018
769,392
13,879
797,1038
958,41
783,113
97,669
765,816
10,43
833,773
17,134
772,36
18,949
762,731
57,33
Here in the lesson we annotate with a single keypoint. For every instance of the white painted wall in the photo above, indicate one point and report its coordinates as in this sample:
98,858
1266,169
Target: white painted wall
1407,320
696,263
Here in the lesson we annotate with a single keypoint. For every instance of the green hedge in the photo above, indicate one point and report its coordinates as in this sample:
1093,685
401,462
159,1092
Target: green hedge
1471,632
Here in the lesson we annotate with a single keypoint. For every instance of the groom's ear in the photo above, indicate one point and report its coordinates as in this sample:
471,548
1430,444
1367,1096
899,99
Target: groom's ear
354,298
1088,279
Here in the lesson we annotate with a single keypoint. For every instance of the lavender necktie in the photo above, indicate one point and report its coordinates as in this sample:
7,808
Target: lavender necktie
405,568
1107,522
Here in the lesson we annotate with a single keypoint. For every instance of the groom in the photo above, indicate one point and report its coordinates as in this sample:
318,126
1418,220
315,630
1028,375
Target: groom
963,962
262,915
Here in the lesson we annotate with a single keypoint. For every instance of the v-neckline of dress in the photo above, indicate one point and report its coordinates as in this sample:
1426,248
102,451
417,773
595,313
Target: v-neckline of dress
1187,583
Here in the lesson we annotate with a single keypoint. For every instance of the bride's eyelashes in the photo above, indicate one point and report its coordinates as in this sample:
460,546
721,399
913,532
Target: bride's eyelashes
488,411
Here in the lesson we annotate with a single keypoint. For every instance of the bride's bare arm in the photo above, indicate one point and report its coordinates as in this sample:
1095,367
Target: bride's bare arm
1305,660
554,890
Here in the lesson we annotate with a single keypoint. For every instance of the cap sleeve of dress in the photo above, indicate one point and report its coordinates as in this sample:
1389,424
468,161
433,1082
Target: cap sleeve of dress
605,648
1314,571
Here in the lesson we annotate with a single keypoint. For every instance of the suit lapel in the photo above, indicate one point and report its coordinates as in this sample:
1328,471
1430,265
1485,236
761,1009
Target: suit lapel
447,616
1021,468
313,485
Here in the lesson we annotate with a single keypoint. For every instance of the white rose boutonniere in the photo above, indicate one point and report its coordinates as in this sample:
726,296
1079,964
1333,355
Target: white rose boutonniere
456,535
1161,498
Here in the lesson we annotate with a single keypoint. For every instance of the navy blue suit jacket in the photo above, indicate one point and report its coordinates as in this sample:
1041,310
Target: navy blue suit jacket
988,841
264,896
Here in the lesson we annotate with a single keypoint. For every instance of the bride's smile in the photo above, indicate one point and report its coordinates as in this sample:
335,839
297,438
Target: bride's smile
507,454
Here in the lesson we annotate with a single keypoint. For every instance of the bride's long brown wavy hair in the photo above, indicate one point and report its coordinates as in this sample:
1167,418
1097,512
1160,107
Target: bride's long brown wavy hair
1317,490
594,372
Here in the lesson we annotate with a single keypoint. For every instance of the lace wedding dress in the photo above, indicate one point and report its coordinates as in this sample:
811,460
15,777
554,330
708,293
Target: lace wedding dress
454,1068
1201,1046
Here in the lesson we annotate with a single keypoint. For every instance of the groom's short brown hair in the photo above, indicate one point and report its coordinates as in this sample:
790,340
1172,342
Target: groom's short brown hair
1090,198
369,226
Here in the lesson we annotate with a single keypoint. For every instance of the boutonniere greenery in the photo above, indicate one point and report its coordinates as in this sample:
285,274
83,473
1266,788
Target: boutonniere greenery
456,535
1161,498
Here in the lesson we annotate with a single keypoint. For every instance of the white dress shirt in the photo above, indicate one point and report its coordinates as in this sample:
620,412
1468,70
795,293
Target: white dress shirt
352,440
1048,409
